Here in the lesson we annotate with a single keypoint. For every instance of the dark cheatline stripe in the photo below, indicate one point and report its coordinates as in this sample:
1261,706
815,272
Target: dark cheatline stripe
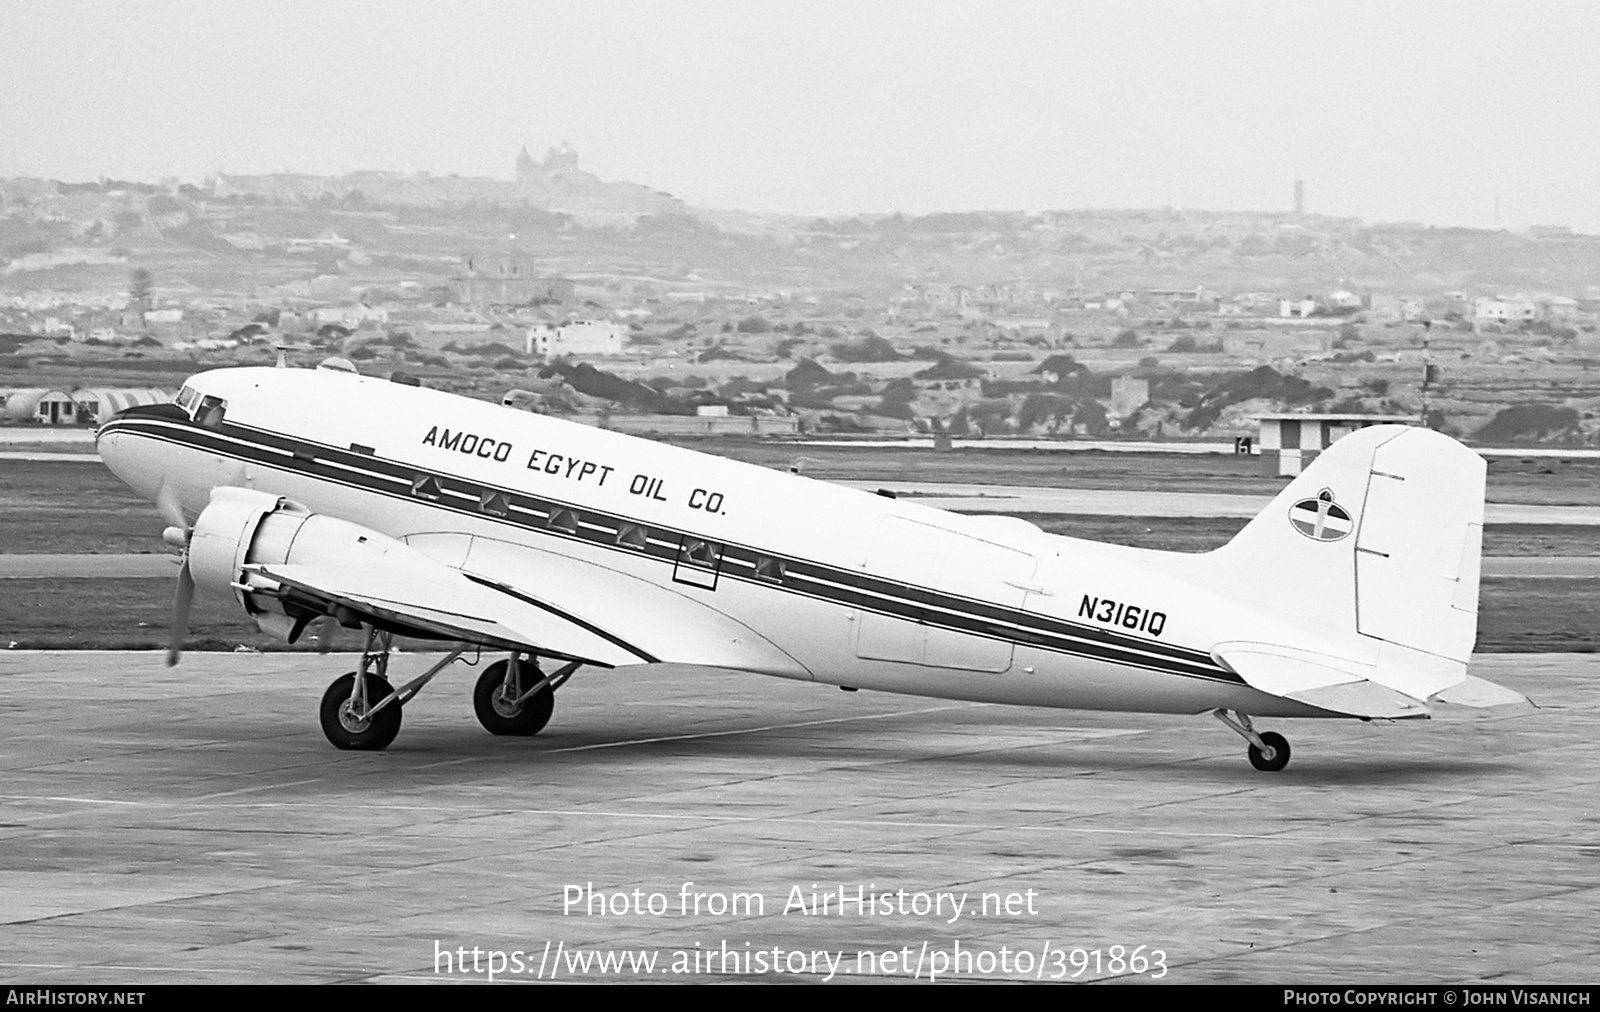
810,579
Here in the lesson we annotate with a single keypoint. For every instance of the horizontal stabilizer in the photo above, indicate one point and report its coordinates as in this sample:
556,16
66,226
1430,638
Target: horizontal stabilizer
1364,699
1480,692
1331,683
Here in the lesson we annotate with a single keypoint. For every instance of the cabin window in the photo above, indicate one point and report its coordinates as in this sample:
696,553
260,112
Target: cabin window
698,563
426,486
769,569
633,536
564,520
494,503
701,553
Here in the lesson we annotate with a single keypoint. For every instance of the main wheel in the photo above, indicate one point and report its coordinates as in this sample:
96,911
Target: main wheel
500,713
1280,753
349,728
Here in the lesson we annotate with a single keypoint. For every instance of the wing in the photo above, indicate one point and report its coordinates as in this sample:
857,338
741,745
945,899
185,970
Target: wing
681,624
289,565
509,596
451,605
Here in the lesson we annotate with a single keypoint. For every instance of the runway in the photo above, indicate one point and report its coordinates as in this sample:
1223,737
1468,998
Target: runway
133,566
192,825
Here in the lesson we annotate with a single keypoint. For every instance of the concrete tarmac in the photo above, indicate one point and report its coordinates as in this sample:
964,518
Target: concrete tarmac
193,824
110,565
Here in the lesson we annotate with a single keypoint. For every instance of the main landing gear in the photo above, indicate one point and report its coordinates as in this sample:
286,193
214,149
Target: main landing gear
1269,751
361,710
515,697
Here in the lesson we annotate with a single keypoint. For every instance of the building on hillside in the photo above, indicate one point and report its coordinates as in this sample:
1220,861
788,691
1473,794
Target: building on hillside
1342,302
508,280
1178,298
1022,326
1504,310
580,337
350,315
555,184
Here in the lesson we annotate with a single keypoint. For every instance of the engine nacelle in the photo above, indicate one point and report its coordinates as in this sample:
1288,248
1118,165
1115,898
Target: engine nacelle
243,527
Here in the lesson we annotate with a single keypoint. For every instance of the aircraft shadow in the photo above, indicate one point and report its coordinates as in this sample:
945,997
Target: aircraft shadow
1312,767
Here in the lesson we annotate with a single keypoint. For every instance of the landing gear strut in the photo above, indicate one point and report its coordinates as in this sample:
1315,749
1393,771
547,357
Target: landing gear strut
361,710
1269,751
514,697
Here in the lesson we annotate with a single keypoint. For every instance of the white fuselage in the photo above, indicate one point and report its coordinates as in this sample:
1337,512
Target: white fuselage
837,585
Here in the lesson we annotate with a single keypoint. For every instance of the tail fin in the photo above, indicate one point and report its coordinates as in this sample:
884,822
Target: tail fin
1361,577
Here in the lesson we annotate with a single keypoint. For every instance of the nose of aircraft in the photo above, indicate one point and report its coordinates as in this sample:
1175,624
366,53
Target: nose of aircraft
107,439
118,450
105,442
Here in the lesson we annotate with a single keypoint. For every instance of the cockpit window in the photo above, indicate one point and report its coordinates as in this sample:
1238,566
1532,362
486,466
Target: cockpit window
186,398
210,411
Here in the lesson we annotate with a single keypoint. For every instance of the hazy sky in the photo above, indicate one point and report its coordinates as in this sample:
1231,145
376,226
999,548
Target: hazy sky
1389,110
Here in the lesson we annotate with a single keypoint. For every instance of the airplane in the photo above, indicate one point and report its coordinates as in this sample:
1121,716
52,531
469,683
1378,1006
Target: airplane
316,496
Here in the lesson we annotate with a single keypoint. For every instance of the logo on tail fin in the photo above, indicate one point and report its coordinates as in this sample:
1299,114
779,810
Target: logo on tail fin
1321,519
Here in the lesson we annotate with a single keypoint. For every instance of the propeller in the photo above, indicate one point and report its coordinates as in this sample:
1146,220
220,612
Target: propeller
326,627
181,603
177,535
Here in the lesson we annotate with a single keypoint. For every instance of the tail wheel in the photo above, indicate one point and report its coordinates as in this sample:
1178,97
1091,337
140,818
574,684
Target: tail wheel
497,706
352,725
1276,758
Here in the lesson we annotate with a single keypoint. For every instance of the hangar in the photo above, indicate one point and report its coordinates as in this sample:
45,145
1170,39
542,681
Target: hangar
97,404
41,405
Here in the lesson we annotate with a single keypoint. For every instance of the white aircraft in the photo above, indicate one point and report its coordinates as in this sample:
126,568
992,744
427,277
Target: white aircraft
319,496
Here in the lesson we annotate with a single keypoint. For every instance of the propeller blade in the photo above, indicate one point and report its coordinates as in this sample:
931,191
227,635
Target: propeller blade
181,603
171,509
325,631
